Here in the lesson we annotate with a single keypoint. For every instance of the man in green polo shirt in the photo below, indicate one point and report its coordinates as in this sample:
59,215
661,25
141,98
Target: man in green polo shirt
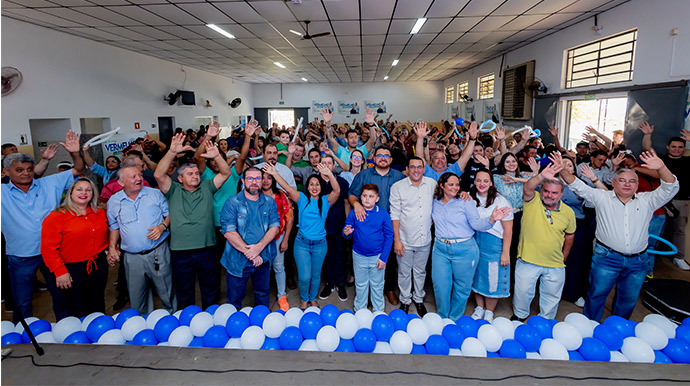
192,240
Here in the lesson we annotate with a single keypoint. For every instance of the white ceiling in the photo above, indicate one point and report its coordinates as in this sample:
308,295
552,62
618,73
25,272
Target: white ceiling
366,35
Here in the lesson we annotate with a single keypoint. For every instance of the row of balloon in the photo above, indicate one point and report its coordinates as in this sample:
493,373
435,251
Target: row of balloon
655,340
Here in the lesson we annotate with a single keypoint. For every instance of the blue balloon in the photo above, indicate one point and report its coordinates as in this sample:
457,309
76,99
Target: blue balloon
212,308
78,337
364,340
291,338
37,327
481,322
258,314
412,316
576,356
329,314
437,345
469,326
511,348
399,318
418,349
383,328
280,312
130,343
236,324
609,335
216,336
188,313
164,326
310,324
683,333
11,338
346,345
660,357
686,322
528,337
145,338
678,351
459,121
197,342
82,318
592,349
490,354
271,344
625,328
542,325
347,311
453,334
99,326
124,315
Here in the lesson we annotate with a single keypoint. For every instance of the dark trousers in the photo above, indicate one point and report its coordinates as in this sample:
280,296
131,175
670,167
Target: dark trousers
192,264
87,294
6,286
334,265
122,291
514,241
391,280
236,286
579,262
22,276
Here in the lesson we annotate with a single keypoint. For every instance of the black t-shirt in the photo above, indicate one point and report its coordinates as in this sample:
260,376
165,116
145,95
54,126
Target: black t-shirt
680,167
467,177
335,221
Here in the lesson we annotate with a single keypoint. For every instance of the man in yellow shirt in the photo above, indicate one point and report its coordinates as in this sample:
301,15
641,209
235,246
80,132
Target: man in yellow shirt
548,227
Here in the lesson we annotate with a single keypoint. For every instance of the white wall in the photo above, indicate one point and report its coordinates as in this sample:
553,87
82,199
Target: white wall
405,100
69,77
653,20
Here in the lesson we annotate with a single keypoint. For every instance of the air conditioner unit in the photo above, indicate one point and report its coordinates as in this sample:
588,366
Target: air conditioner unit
516,100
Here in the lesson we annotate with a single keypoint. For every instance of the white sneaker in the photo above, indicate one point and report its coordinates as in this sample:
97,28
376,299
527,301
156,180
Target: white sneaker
489,316
478,313
580,302
682,264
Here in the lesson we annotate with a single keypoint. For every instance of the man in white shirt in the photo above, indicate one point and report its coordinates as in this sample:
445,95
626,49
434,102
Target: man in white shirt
620,255
410,205
270,155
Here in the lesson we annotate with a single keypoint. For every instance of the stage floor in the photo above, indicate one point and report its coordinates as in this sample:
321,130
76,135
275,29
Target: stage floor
146,365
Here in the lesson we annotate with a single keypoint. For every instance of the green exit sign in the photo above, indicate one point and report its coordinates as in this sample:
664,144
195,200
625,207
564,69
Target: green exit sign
590,97
43,144
281,102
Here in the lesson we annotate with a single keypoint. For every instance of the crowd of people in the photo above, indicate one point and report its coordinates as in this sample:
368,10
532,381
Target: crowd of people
370,204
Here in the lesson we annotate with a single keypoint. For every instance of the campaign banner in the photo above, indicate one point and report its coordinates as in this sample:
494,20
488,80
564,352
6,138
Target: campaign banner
348,108
317,106
115,144
377,107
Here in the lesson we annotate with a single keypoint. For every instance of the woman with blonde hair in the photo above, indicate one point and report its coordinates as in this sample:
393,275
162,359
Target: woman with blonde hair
74,240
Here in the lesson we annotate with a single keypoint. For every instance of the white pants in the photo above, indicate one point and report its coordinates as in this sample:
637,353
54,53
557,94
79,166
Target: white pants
551,281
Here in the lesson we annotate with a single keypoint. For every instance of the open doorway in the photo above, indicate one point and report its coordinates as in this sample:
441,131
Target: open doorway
605,115
283,117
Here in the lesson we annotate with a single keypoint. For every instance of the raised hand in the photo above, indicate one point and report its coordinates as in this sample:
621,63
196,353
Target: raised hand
685,134
327,115
533,165
71,143
556,158
499,214
348,230
571,154
422,130
251,127
586,171
500,133
51,150
551,171
211,150
618,159
176,144
651,160
325,171
292,147
368,116
592,131
554,131
482,160
213,129
645,128
269,168
138,147
472,131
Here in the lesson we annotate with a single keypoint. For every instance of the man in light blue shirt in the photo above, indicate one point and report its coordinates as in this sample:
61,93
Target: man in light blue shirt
351,136
25,203
139,216
436,164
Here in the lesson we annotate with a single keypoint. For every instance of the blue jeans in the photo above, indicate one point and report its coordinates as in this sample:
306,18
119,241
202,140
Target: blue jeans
22,275
656,228
367,277
309,256
189,265
610,268
551,281
279,268
452,271
236,286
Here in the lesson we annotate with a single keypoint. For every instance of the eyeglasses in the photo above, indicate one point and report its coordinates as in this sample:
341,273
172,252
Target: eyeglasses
623,181
432,149
250,179
359,157
384,156
548,215
416,167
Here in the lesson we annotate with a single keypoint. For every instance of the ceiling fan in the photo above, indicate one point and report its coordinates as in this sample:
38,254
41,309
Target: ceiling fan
307,36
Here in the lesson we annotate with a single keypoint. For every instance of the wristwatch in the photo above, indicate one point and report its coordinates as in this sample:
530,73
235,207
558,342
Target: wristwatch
164,226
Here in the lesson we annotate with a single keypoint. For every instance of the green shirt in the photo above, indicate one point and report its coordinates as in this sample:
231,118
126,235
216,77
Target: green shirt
191,224
282,158
226,191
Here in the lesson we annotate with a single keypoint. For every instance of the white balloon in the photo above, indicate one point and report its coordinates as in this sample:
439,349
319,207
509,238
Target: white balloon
554,350
533,355
88,319
234,343
113,336
220,317
595,324
45,337
472,347
617,356
505,327
347,326
200,323
181,337
447,321
490,337
516,323
653,335
455,352
568,335
177,314
309,345
8,327
163,344
434,323
65,328
418,331
247,310
19,328
581,323
401,343
663,323
327,339
154,317
383,348
377,313
274,324
313,309
293,316
364,318
115,316
132,327
637,350
252,338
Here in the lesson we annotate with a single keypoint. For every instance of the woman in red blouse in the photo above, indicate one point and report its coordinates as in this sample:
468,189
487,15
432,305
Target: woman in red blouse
74,240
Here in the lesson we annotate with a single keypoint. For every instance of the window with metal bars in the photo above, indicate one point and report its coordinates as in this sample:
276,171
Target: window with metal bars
450,93
463,89
607,60
486,86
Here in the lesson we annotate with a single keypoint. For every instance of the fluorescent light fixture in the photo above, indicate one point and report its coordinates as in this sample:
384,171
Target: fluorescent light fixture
304,79
221,31
279,65
296,33
385,77
395,62
418,25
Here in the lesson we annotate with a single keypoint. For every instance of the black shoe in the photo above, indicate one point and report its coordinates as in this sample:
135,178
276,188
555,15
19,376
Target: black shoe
327,290
291,284
421,310
120,304
405,307
40,286
342,293
514,317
